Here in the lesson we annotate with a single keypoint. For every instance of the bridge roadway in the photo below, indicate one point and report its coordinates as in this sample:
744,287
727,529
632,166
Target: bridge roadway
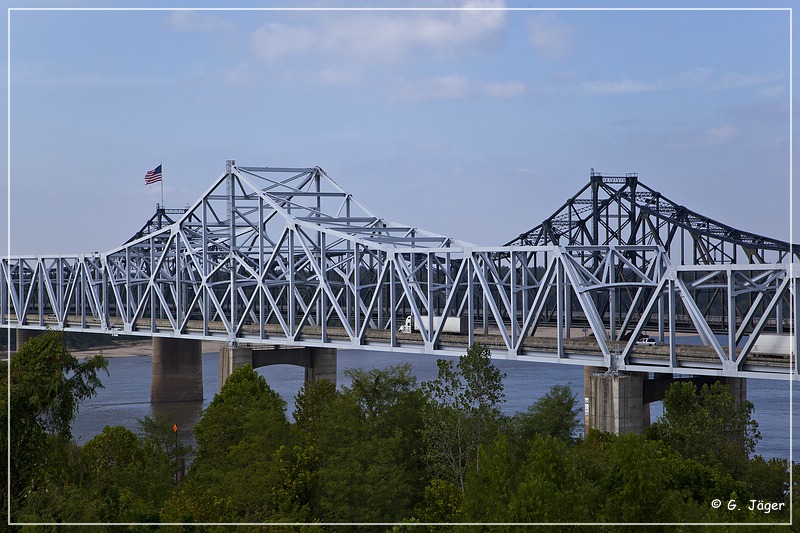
584,351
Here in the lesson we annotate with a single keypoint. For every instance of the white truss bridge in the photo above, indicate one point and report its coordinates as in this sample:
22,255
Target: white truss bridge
285,256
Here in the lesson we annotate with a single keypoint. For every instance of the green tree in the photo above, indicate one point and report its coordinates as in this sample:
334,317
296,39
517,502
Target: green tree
369,445
442,503
47,386
129,476
462,415
707,425
553,415
232,477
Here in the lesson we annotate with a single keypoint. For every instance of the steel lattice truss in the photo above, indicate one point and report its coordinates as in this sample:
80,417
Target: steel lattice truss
287,257
623,210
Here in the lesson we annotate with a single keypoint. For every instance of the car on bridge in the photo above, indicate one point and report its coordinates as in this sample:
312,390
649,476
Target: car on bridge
646,341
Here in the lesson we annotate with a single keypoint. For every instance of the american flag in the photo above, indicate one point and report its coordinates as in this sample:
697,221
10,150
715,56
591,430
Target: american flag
153,176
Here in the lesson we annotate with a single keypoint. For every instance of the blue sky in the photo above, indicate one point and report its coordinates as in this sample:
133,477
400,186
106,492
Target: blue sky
474,124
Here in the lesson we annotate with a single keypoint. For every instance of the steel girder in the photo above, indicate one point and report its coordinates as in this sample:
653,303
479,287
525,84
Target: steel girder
287,257
623,210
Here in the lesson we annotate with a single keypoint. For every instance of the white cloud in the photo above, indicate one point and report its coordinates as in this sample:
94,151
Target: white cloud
241,75
702,139
450,87
550,38
505,90
775,90
273,41
453,87
689,78
619,87
381,37
194,21
735,79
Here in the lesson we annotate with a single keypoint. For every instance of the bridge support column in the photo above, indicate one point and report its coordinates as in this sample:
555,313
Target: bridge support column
620,403
614,402
738,389
323,365
232,358
320,363
24,334
177,370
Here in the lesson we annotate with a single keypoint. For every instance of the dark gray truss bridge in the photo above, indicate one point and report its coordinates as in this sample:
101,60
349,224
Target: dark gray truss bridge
285,256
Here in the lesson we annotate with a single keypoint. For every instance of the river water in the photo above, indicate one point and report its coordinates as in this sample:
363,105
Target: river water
126,396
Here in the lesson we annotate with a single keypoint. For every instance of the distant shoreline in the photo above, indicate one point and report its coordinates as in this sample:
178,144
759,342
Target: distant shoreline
137,348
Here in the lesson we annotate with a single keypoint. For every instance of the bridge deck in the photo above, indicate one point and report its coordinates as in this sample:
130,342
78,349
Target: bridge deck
690,359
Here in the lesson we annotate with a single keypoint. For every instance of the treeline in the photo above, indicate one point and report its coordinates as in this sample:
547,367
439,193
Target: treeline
384,450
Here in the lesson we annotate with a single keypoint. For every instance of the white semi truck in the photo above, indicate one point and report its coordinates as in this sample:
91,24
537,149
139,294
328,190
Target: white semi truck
773,344
452,324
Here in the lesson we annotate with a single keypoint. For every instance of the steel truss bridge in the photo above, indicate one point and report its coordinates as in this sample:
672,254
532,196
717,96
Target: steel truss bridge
285,256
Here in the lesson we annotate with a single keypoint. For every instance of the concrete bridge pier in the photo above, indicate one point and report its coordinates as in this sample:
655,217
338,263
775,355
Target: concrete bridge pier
620,402
24,334
177,370
319,363
614,402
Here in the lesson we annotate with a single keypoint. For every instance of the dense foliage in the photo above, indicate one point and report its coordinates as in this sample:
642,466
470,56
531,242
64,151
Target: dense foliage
384,449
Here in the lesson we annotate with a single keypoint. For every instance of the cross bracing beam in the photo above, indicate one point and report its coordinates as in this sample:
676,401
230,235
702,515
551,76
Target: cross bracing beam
623,210
252,262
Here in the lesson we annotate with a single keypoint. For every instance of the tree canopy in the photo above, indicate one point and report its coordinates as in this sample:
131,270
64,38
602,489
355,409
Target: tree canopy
384,449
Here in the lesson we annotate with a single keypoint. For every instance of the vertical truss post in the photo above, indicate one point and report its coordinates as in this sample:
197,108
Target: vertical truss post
290,298
661,318
178,298
83,275
205,287
514,324
378,288
128,306
560,306
60,291
612,314
567,309
486,295
470,297
731,317
431,310
153,281
323,267
357,292
4,293
106,312
795,329
231,185
390,258
673,355
596,179
260,270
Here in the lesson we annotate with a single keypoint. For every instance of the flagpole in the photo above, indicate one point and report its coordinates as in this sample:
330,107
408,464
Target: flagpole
162,186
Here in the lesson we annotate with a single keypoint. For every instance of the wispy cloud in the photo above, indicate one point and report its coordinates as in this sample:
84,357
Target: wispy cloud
706,138
274,41
734,79
454,87
41,76
195,21
505,90
376,38
550,38
449,87
689,78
